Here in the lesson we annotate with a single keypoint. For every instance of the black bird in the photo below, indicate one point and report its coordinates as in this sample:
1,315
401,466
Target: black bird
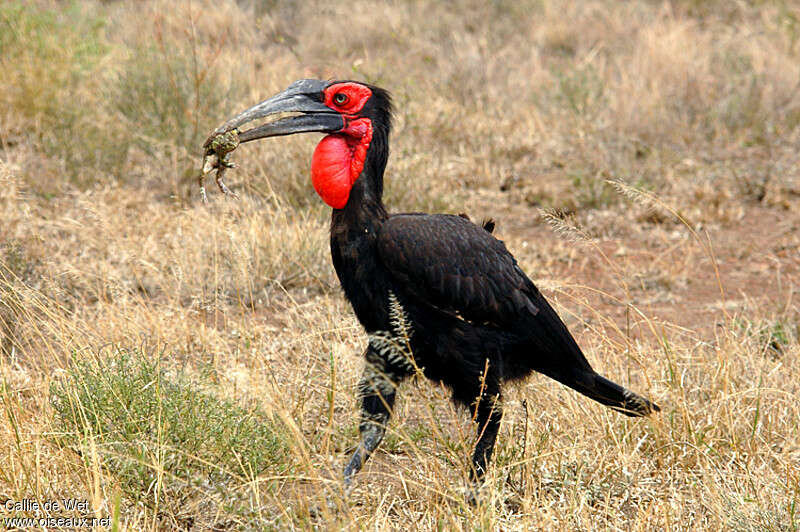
434,292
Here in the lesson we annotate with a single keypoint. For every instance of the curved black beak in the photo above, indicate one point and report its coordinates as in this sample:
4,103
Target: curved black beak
304,96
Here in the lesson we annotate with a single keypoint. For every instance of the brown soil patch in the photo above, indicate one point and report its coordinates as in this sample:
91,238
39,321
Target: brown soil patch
675,279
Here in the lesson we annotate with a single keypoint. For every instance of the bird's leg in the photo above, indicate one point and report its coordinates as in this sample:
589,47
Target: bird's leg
489,412
377,390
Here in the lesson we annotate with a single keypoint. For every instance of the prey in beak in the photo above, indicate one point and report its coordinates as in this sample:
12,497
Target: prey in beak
305,98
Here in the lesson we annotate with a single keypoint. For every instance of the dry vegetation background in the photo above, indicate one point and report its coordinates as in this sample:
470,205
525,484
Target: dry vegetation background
188,366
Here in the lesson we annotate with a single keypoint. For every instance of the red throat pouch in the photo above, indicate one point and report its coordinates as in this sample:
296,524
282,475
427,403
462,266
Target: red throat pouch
338,161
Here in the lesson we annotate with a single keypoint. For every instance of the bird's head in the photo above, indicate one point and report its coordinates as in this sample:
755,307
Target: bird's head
356,117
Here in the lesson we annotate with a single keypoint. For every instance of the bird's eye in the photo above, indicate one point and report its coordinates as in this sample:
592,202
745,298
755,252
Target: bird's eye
340,98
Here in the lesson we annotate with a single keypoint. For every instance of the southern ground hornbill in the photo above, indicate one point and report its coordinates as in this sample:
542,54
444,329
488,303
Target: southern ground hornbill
434,292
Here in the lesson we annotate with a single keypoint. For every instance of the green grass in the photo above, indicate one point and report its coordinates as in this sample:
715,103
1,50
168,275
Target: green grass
770,336
161,437
168,99
580,90
51,60
162,98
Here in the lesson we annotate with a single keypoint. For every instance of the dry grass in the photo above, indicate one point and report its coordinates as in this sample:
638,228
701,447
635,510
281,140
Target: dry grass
660,139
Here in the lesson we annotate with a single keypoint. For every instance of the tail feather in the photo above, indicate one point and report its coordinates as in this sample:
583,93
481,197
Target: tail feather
613,395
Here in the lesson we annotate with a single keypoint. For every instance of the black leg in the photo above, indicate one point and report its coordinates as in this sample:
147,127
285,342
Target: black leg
489,413
377,389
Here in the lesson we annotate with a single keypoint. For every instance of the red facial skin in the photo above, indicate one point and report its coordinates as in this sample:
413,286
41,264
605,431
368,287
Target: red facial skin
339,158
356,96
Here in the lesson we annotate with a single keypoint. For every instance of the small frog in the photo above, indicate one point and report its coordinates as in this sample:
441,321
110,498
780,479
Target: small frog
218,149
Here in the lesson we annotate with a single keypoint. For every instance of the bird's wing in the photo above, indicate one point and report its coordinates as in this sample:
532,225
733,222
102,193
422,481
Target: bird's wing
453,264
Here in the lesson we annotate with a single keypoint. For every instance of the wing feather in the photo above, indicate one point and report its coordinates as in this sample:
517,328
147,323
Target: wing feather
458,266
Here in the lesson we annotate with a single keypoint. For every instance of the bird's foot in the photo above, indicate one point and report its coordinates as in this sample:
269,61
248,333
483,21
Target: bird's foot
472,493
348,486
350,470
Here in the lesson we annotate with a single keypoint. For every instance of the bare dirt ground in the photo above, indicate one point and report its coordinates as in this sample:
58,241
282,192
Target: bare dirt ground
682,282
